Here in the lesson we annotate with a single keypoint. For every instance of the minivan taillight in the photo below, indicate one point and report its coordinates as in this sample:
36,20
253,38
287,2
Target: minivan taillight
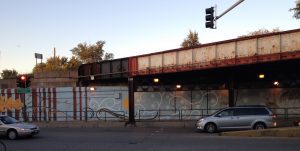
274,116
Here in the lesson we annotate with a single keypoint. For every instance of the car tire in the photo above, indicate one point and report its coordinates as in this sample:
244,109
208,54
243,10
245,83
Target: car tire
12,134
210,128
259,126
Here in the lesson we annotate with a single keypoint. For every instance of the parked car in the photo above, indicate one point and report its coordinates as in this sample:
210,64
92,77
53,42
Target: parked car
13,129
238,118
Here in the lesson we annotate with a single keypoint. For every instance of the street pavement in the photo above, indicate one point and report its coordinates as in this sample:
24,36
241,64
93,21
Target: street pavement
145,139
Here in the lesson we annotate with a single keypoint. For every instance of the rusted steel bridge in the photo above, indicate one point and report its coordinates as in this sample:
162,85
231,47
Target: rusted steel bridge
255,62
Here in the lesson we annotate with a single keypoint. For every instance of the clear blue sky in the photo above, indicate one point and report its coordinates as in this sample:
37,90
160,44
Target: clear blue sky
129,27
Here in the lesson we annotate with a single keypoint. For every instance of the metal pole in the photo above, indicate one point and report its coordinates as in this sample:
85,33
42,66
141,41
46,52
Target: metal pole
24,103
86,105
229,9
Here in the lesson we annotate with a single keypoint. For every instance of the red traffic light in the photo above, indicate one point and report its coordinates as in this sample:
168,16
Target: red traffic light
23,77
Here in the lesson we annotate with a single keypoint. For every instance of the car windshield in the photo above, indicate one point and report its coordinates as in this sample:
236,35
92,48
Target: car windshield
8,120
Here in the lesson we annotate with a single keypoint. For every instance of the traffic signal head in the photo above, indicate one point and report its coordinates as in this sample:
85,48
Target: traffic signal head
28,82
209,18
23,81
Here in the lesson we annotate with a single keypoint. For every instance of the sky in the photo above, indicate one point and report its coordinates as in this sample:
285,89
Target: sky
129,27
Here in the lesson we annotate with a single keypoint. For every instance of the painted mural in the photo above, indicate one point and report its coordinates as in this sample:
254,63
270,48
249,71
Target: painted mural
111,103
66,103
282,100
179,104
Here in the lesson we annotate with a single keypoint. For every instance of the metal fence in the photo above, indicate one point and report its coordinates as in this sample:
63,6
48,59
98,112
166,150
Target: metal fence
144,115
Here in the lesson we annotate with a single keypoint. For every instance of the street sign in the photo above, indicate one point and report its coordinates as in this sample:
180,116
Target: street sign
24,90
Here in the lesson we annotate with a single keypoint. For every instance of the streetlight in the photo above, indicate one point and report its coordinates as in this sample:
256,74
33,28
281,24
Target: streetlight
261,76
155,80
276,83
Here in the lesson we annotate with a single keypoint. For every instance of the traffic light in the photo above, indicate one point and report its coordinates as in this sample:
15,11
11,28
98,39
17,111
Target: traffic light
23,81
28,82
210,18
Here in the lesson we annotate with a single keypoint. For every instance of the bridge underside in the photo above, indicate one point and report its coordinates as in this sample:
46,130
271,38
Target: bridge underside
231,80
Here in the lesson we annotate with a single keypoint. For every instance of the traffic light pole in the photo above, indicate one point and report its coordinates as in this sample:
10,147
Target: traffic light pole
229,9
24,104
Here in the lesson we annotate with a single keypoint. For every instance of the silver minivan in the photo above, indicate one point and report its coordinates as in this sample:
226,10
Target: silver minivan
238,118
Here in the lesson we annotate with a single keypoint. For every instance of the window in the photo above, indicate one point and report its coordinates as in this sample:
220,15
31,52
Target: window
242,111
250,111
228,112
260,111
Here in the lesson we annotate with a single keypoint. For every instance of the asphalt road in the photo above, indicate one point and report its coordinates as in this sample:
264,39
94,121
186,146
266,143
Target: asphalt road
144,139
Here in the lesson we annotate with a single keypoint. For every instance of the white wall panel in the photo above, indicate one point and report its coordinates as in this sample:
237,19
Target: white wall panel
269,45
143,62
185,57
226,51
246,48
290,42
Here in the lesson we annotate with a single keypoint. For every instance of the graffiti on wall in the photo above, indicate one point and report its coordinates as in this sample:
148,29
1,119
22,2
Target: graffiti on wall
179,104
10,104
111,103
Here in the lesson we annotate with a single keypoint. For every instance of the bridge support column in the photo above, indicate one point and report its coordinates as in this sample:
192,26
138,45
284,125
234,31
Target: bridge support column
131,119
231,93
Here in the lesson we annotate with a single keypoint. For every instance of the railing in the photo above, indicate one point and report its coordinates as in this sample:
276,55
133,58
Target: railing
192,114
182,114
142,115
71,115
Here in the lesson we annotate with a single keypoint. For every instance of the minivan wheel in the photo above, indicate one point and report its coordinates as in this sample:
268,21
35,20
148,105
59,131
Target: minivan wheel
12,134
211,128
259,126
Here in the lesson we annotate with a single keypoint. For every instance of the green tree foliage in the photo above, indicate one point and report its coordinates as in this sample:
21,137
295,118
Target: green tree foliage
296,9
90,53
8,74
191,40
57,64
261,32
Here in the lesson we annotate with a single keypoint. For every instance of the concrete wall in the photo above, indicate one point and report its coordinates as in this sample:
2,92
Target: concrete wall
67,103
111,103
8,83
55,79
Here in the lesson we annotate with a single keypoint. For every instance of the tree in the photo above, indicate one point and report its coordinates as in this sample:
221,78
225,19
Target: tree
191,40
108,56
260,32
57,64
73,64
296,10
8,74
39,68
54,64
90,53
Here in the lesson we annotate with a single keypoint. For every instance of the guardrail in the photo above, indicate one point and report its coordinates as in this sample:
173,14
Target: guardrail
142,115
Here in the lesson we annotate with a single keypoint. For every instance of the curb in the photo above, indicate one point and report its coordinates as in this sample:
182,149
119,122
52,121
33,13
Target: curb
275,132
115,124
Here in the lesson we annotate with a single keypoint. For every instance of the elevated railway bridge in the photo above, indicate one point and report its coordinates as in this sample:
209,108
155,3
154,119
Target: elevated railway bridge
255,70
